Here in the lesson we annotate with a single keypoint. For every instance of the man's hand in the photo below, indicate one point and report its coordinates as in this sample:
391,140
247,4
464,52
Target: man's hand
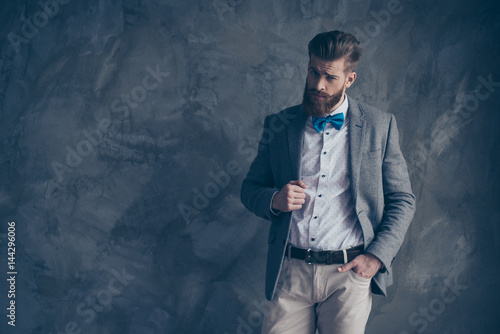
364,265
290,197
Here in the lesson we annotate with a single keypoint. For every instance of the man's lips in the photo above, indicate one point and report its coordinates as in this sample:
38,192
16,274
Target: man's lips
318,96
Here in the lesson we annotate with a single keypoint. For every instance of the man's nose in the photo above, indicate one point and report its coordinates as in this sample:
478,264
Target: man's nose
319,84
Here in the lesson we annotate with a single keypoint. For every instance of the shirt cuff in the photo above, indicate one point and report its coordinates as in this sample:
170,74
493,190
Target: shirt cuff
274,212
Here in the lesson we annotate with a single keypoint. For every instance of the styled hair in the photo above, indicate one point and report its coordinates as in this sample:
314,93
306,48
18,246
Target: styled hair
334,45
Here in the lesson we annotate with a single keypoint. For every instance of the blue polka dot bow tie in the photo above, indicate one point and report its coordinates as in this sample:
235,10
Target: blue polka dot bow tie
337,120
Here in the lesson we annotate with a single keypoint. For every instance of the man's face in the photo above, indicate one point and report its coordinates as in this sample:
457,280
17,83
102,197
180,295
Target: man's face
325,86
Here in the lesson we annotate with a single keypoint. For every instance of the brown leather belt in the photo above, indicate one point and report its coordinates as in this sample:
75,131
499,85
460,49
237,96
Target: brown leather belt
323,257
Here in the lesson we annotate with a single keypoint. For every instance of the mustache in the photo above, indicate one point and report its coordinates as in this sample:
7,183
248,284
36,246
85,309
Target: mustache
316,92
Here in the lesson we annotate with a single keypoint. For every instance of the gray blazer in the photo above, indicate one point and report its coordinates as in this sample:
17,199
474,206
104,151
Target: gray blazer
381,189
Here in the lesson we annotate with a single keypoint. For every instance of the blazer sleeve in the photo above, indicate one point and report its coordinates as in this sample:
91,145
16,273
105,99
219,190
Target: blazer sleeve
259,187
399,201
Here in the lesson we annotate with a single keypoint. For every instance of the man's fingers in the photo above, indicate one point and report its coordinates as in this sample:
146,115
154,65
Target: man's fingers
346,267
295,201
295,207
290,197
298,183
301,184
299,194
291,207
296,195
296,189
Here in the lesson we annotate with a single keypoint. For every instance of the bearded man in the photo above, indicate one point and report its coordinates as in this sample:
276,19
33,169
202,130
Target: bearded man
331,179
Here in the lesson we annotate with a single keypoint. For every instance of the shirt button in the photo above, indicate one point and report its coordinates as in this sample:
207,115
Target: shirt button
323,175
315,217
327,133
312,239
320,195
324,152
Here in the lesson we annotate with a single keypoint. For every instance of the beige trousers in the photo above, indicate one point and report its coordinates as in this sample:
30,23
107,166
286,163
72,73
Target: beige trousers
317,296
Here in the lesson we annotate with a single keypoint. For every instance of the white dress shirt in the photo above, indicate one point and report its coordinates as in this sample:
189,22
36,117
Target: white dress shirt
327,219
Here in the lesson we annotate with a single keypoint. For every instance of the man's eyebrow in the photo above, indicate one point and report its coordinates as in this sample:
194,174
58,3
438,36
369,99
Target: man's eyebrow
331,75
317,70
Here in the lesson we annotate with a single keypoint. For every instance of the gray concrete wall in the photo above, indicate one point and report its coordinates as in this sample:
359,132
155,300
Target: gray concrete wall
115,115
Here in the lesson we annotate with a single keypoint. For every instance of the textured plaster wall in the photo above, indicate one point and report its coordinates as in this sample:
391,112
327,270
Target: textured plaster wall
117,117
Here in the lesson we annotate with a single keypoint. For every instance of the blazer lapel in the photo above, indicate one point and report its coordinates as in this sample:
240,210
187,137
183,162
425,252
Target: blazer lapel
295,136
356,140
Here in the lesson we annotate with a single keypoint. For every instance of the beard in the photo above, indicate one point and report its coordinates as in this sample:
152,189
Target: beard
319,108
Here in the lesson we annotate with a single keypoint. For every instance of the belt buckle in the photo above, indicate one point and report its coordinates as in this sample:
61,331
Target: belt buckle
308,258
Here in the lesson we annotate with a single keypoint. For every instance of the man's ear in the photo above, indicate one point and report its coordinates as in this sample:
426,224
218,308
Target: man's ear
351,77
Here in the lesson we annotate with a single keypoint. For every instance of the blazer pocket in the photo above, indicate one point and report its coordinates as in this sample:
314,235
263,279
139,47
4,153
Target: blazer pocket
373,154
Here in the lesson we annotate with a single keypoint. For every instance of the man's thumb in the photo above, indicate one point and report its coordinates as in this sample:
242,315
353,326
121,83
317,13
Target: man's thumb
299,183
345,267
